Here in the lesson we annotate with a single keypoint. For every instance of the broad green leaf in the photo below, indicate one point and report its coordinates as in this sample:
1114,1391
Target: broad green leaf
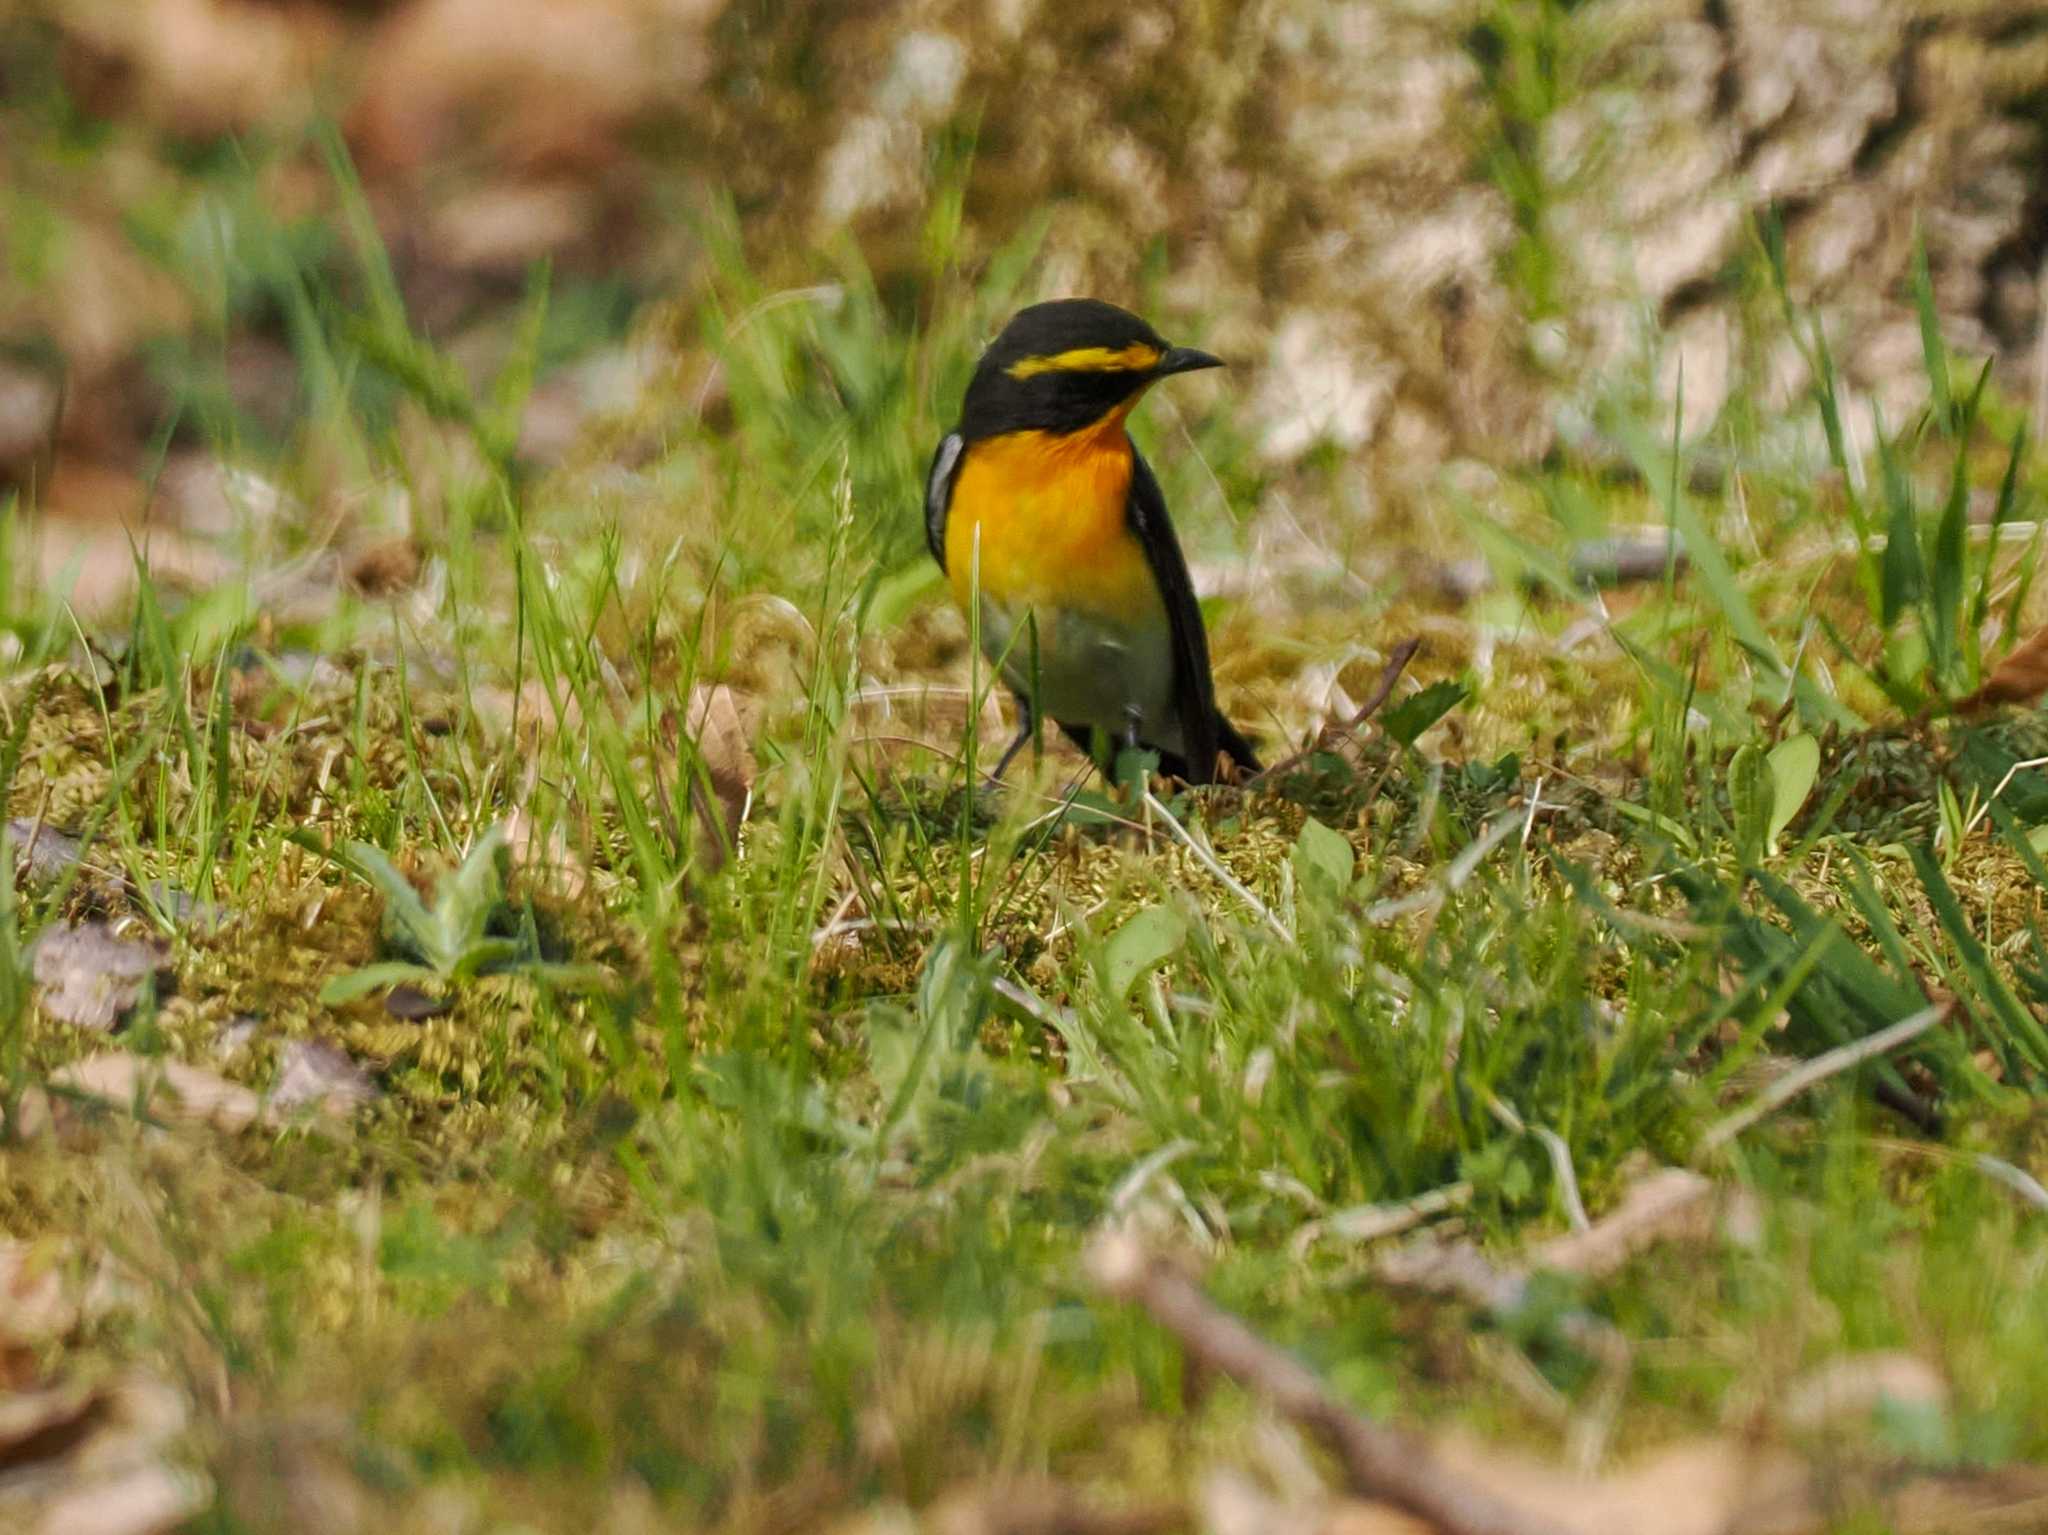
466,898
1751,798
1322,854
1795,766
1663,825
1406,720
404,911
483,955
381,977
1148,938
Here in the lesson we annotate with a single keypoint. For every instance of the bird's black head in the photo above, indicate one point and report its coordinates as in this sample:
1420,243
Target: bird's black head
1064,365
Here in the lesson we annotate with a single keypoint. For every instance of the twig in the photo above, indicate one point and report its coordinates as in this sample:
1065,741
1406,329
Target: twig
1379,1461
1819,1069
1214,865
1370,1223
1330,734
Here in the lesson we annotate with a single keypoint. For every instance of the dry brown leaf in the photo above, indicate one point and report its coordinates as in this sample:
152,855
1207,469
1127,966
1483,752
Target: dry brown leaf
42,854
890,722
88,976
1671,1203
34,1304
89,561
530,84
721,740
208,67
509,225
159,1086
384,568
30,1117
1371,1519
314,1074
1042,1507
144,1500
46,1424
29,399
2020,677
1234,1503
535,712
1699,1487
545,860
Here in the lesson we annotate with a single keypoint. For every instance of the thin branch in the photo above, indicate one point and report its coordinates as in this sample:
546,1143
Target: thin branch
1819,1069
1379,1461
1390,674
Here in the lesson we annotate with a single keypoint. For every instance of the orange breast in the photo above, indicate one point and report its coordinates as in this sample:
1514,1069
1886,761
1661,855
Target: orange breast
1048,510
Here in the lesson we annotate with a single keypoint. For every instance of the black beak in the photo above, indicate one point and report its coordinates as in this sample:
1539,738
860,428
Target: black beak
1185,359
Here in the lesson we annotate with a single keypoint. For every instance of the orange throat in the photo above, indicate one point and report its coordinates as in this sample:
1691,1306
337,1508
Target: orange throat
1043,516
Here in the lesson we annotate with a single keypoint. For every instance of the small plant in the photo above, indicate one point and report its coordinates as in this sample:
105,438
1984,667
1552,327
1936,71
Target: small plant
1926,582
458,938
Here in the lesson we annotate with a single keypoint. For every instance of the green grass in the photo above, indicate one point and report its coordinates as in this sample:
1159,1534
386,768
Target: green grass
757,1183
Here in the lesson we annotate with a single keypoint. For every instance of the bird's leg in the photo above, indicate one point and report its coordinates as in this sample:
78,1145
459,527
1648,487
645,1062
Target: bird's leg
1027,726
1132,718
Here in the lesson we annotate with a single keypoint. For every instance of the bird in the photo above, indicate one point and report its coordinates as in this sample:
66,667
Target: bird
1039,505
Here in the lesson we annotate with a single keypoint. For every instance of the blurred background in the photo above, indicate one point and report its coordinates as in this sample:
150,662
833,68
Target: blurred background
1433,235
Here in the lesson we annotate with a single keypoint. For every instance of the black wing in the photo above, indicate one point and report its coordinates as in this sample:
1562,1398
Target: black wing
938,493
1203,730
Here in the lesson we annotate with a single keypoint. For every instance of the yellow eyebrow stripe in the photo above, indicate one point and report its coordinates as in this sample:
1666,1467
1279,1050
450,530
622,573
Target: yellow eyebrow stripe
1089,359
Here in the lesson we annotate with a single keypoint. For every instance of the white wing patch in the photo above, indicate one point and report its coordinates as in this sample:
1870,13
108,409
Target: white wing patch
938,493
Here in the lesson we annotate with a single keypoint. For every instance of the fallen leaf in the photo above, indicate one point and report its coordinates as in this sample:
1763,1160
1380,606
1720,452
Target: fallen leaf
29,1117
204,68
34,1305
145,1500
714,725
1233,1503
535,711
527,84
1615,561
87,976
29,401
235,1036
408,1002
1699,1487
384,568
509,225
1457,1268
891,722
46,1424
1671,1203
184,910
1856,1385
159,1086
42,854
315,1074
545,860
2020,677
89,560
1041,1507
